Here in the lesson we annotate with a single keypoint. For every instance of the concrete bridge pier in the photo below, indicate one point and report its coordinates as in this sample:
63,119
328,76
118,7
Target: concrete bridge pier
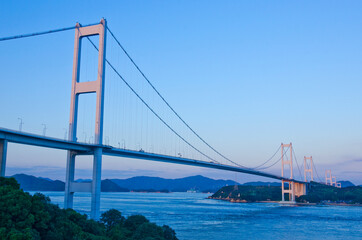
96,183
300,189
289,190
3,152
69,180
94,187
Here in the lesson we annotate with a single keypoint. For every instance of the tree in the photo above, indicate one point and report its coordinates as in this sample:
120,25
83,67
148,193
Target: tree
149,231
24,217
134,221
169,233
111,218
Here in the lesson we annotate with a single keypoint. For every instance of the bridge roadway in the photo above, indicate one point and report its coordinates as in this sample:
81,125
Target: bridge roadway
12,136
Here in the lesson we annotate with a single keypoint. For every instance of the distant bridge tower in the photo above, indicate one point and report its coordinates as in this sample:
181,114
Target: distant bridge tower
328,175
78,88
334,181
290,189
308,170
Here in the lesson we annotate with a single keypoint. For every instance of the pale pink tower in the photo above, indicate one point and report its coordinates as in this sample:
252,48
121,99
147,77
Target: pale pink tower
78,88
334,181
289,162
328,177
308,170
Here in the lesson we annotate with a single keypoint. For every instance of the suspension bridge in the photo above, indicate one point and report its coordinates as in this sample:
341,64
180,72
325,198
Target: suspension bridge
98,144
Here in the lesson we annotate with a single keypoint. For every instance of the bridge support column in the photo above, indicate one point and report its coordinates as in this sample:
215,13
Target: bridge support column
79,88
96,184
300,189
3,153
290,190
288,162
69,179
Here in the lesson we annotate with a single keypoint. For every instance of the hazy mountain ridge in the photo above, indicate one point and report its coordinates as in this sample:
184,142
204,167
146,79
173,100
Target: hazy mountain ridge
31,183
144,183
199,183
345,184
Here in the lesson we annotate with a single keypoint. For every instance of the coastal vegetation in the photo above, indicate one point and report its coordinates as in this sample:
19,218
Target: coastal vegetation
320,193
248,193
23,216
317,193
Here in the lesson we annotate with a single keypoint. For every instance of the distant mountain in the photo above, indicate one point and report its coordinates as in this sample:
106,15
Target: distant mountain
48,179
83,180
109,186
31,183
346,184
142,183
276,184
200,183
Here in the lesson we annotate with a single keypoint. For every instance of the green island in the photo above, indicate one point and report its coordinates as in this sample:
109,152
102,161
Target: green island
317,193
23,216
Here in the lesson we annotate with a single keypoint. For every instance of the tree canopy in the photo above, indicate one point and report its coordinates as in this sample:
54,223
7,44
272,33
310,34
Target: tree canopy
23,216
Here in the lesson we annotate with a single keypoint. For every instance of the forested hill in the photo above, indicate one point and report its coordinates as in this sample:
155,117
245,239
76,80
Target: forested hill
317,193
142,183
198,183
31,183
242,193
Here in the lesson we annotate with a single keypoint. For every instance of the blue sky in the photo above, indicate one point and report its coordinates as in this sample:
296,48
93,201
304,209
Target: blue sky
246,75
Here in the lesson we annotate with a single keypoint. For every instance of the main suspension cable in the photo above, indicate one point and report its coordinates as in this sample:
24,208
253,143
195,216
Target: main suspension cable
317,173
151,109
268,159
276,161
164,100
295,157
42,33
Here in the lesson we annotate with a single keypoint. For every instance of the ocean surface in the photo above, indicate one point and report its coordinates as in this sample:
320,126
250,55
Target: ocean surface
193,216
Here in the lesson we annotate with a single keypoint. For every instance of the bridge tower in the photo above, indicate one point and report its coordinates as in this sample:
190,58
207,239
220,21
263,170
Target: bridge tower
290,189
334,181
306,169
328,175
78,88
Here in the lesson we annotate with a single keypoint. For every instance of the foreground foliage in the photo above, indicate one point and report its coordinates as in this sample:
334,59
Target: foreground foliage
23,216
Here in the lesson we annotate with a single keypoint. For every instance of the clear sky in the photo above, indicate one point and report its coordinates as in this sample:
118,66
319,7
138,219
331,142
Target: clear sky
247,75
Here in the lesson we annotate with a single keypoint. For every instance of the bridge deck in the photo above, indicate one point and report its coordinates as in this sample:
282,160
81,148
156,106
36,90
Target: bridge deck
84,148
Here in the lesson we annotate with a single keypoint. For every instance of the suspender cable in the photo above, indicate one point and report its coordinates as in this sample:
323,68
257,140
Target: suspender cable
164,100
151,109
320,180
295,157
268,159
276,161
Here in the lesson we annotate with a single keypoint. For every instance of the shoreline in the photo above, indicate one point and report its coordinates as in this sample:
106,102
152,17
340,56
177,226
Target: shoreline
233,200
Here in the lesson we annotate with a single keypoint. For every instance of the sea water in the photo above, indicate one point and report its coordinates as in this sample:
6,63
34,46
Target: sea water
193,216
